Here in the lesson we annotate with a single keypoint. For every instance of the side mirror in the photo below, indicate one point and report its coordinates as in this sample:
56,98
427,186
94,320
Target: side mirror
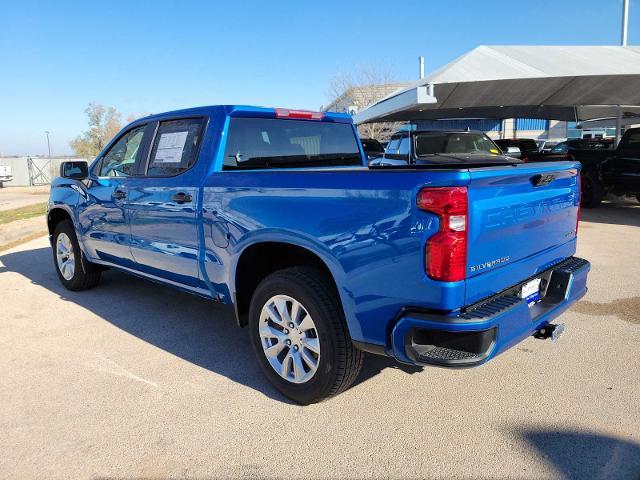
77,170
513,152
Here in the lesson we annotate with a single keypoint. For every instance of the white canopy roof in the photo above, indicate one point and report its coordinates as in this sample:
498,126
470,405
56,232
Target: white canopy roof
554,82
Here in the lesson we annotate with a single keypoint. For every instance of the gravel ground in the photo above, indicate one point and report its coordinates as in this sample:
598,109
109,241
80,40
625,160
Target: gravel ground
136,380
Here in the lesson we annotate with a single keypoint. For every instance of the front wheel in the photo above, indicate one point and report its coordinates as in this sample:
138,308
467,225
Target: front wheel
74,271
299,335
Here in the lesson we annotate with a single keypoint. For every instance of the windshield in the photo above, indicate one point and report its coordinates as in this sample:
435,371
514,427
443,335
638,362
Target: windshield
277,143
434,143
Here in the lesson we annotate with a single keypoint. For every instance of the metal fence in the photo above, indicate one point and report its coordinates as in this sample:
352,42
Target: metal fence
32,170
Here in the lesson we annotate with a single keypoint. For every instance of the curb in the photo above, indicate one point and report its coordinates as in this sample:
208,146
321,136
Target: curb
20,231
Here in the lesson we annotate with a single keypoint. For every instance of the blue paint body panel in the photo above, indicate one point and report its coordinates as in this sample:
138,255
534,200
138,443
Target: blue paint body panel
363,224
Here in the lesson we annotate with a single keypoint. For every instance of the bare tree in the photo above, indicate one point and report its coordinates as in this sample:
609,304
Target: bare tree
136,116
361,88
104,124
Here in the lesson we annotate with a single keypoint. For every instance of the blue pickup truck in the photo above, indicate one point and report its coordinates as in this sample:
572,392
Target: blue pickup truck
275,212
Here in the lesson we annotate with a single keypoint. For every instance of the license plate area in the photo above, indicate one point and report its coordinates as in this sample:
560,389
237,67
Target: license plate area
531,291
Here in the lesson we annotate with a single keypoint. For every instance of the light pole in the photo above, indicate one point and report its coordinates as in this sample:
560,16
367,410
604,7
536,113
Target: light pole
625,23
48,143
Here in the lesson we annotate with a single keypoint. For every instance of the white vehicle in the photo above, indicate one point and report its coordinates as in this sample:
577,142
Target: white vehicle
5,175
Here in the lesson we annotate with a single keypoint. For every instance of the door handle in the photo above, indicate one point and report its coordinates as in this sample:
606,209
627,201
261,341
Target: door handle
182,198
119,195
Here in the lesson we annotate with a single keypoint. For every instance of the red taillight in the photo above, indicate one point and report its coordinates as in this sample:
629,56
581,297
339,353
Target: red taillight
446,254
579,200
301,114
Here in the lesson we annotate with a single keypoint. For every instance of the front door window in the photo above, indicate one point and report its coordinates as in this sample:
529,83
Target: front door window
120,160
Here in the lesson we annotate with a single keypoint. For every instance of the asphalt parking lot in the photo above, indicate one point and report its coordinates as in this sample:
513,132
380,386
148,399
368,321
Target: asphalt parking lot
136,380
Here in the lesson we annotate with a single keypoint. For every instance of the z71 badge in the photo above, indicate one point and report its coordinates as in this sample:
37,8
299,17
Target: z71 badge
492,263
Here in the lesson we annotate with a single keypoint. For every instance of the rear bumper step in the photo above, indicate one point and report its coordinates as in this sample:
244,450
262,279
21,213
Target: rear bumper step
483,330
439,347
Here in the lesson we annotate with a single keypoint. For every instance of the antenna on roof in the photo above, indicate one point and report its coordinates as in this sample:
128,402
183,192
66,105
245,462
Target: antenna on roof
421,62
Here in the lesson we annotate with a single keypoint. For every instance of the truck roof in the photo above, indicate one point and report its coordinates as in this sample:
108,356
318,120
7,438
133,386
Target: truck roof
245,111
435,130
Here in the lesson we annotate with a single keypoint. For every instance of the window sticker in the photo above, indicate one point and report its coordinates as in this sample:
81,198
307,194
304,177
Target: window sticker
170,147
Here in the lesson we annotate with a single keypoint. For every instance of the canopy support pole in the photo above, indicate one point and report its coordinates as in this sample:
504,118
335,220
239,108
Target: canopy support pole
625,23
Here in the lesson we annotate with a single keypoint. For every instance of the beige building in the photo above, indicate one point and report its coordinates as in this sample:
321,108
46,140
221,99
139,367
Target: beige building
355,99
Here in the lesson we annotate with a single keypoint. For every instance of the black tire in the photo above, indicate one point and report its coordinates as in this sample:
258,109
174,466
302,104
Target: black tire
592,191
339,361
86,275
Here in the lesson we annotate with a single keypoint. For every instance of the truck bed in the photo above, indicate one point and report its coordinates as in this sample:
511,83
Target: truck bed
370,231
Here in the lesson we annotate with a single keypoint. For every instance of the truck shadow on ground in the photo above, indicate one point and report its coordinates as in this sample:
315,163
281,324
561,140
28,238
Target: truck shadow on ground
192,328
615,212
583,454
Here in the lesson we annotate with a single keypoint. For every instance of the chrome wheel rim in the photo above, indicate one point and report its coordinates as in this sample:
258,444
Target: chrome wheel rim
289,339
65,256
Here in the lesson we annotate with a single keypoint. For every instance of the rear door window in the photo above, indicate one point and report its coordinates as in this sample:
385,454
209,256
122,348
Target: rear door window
175,147
276,143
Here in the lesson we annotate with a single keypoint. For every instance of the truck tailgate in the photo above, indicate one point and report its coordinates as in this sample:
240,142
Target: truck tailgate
520,219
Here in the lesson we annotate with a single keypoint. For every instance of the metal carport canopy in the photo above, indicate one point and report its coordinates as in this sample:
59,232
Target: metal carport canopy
550,82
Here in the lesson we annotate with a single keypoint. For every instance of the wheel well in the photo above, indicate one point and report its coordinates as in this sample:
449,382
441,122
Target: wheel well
260,260
56,216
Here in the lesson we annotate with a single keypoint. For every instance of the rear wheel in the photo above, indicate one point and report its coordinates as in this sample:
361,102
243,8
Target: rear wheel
73,269
592,191
300,337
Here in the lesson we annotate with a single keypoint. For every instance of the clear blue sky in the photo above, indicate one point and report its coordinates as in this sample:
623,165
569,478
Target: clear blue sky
56,57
